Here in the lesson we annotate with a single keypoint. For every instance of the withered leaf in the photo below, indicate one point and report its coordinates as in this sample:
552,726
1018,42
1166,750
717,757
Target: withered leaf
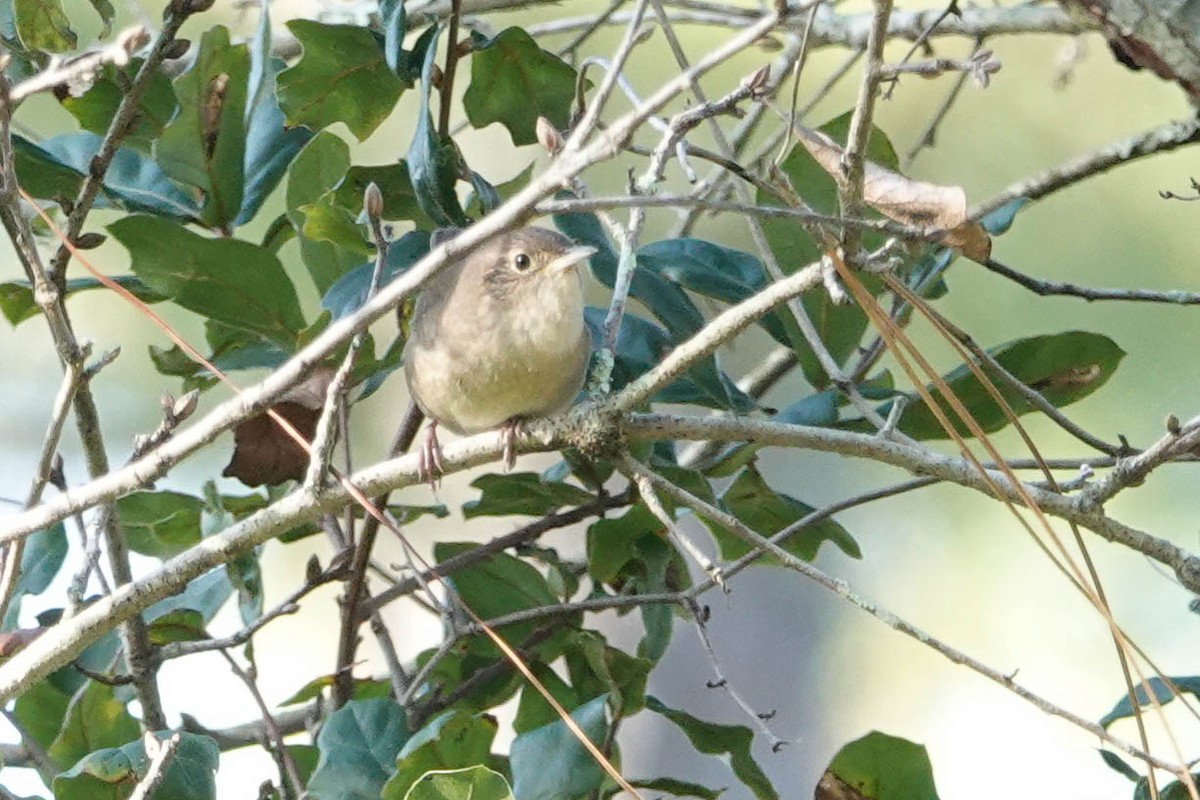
263,453
12,641
905,200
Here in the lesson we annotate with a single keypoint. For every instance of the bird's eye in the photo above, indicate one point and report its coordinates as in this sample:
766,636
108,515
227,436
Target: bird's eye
522,262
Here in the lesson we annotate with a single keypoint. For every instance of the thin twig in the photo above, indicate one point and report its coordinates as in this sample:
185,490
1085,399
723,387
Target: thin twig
356,585
843,590
288,774
79,72
1159,139
1044,288
447,87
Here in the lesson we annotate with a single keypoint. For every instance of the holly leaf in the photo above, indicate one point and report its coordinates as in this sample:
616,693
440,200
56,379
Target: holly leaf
513,82
205,145
342,76
227,280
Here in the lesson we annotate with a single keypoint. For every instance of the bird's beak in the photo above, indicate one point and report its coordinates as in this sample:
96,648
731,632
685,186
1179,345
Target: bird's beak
575,255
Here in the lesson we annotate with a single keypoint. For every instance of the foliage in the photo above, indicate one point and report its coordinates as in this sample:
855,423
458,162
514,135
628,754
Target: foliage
234,141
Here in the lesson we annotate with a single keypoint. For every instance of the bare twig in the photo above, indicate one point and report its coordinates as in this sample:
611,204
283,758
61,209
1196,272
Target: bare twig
1048,288
79,72
1160,139
289,775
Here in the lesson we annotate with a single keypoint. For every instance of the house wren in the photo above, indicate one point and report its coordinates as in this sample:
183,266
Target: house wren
498,337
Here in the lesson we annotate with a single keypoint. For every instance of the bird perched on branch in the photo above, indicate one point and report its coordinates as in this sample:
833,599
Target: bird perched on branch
498,337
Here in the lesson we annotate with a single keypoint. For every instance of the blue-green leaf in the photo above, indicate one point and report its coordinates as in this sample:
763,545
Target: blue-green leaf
433,163
549,763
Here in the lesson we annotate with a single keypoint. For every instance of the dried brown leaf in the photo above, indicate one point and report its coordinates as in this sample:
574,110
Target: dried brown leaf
905,200
12,641
263,453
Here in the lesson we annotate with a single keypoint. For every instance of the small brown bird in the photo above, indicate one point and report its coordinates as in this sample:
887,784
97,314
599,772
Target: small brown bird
498,337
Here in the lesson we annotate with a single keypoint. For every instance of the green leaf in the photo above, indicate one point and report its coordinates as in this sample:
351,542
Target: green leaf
107,14
270,144
549,763
1163,693
56,167
205,145
362,690
42,25
189,775
449,741
399,198
883,767
326,222
523,493
767,512
316,171
1174,790
999,220
40,712
631,554
95,719
348,294
641,345
1063,367
818,409
841,327
732,741
41,559
472,783
532,709
180,625
358,744
245,575
500,585
408,513
597,667
1117,764
722,273
206,595
433,164
95,108
305,758
160,524
227,280
513,82
342,76
502,192
43,175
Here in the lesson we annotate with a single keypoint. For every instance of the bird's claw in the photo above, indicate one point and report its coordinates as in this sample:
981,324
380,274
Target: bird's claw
429,457
508,434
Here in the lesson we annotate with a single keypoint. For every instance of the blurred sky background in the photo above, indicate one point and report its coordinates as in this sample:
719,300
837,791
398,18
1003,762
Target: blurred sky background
945,559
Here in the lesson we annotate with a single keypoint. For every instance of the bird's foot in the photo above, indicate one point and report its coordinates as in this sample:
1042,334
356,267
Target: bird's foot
508,434
429,457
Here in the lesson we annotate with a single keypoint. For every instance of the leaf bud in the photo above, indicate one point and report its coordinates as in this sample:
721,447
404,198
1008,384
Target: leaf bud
548,136
373,201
